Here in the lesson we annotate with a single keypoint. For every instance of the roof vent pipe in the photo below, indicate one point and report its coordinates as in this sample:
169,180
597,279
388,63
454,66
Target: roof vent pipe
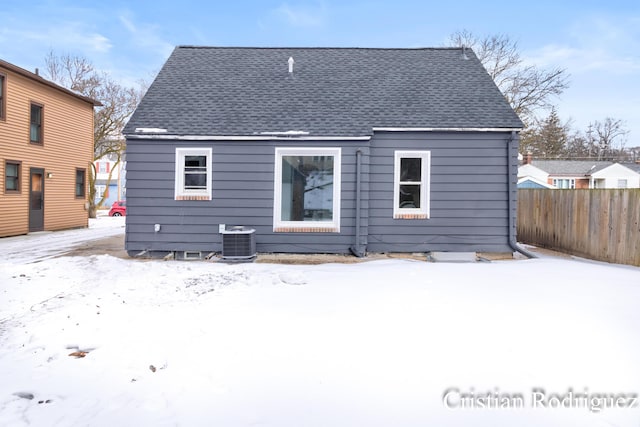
464,52
290,62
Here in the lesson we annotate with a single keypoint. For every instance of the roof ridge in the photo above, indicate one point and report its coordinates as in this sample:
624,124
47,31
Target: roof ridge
315,47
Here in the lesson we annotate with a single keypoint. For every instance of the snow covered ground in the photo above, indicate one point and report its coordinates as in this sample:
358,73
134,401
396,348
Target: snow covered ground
378,343
47,244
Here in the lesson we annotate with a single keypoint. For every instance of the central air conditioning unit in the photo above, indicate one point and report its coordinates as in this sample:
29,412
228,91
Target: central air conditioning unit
238,244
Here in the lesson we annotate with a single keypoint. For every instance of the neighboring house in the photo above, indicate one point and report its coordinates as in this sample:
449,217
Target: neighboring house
530,176
46,148
322,150
578,174
115,189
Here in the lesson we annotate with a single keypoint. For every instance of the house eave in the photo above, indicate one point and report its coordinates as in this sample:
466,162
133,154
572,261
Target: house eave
37,78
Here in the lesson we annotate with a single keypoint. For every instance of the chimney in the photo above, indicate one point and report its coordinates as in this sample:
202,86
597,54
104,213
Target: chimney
528,158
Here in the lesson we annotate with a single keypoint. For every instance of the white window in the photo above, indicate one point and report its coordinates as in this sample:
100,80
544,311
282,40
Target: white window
307,190
102,167
193,174
622,183
565,183
100,189
411,182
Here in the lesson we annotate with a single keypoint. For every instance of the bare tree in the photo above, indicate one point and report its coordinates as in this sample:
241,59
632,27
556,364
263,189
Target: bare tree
118,103
610,137
526,87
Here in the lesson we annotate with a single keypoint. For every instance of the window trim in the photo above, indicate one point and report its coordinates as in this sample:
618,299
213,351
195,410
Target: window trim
280,226
84,184
40,140
3,97
180,193
18,190
423,212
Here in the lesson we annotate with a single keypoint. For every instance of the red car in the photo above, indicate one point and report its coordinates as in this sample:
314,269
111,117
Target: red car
118,208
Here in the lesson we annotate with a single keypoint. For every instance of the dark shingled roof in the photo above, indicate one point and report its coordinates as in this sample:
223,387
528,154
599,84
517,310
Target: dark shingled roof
218,91
571,167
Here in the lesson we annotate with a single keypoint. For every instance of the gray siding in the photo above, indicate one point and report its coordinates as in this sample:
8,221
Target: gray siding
243,174
469,193
470,208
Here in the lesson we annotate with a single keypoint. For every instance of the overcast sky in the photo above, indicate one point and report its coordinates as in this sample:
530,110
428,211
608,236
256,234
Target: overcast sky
598,43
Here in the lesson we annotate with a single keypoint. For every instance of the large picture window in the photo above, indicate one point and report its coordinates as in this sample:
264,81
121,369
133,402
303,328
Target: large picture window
411,184
307,190
193,174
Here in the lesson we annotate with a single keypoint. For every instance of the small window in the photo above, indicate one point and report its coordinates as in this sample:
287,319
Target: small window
622,183
307,190
3,91
411,184
80,183
193,174
11,177
100,189
35,131
102,167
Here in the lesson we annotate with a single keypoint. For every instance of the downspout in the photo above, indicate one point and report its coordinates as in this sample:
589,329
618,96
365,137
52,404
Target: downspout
357,249
512,202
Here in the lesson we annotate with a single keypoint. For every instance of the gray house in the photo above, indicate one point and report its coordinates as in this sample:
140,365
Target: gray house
322,150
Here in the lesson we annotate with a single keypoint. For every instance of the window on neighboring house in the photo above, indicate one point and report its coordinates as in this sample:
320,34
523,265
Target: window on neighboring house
411,182
100,191
103,167
35,131
622,183
565,184
11,176
3,91
307,190
193,174
80,183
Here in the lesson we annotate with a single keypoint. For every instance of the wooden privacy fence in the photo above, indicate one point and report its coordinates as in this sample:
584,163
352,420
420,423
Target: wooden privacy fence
597,224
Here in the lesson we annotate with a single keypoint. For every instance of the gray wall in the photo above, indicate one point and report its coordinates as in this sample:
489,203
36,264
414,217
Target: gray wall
242,195
469,196
469,193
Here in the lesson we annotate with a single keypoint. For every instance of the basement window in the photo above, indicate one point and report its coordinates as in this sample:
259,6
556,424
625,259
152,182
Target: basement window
411,182
307,190
193,174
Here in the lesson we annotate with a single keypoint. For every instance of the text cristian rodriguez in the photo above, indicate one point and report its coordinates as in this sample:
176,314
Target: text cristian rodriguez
453,398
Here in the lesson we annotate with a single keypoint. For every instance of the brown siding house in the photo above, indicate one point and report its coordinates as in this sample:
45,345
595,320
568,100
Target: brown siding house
46,148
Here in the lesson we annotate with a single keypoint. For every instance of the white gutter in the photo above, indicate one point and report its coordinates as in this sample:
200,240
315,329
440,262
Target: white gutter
154,133
246,138
390,129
